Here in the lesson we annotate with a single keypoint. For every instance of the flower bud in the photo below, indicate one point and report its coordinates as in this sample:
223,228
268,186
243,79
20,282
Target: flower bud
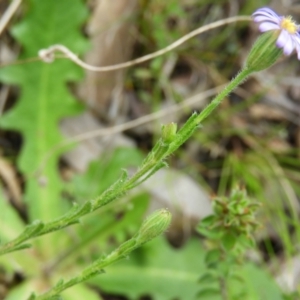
169,132
153,226
264,52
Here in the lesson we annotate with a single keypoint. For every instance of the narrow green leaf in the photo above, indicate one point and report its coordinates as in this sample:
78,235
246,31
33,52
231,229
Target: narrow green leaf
247,242
208,292
210,233
213,257
208,277
228,241
207,221
21,247
31,230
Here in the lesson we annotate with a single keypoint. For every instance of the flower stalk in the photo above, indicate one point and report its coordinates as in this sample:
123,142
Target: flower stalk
152,227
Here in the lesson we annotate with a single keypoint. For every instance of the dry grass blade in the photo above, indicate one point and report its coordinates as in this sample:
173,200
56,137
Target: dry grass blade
8,14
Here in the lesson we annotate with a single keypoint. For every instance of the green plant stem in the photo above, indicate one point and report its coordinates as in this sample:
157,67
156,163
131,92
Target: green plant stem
152,227
195,120
84,275
223,288
233,84
152,163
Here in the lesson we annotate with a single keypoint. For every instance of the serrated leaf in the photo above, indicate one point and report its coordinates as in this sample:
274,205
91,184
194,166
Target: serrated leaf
44,98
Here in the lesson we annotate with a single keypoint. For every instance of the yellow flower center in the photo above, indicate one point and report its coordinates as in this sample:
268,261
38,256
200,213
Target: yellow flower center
289,25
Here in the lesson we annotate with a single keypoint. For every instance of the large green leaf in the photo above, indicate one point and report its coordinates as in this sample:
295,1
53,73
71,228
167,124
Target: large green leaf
44,98
21,291
157,270
165,273
259,284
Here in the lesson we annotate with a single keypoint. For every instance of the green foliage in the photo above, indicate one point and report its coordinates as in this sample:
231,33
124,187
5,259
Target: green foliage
258,285
95,180
152,163
165,273
270,177
44,100
264,177
229,232
292,296
233,219
230,229
97,231
157,270
152,227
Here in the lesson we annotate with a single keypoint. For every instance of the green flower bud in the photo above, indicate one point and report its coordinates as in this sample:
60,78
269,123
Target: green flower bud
264,52
169,132
153,226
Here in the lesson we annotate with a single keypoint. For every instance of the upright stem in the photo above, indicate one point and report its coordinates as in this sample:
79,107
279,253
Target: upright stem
195,120
235,82
223,288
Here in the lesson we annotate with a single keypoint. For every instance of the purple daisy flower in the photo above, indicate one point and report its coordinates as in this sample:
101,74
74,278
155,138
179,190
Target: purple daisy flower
289,32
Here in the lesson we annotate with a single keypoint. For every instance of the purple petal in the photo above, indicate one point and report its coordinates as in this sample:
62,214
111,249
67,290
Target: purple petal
282,39
266,26
297,45
258,19
298,51
289,46
296,38
266,12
